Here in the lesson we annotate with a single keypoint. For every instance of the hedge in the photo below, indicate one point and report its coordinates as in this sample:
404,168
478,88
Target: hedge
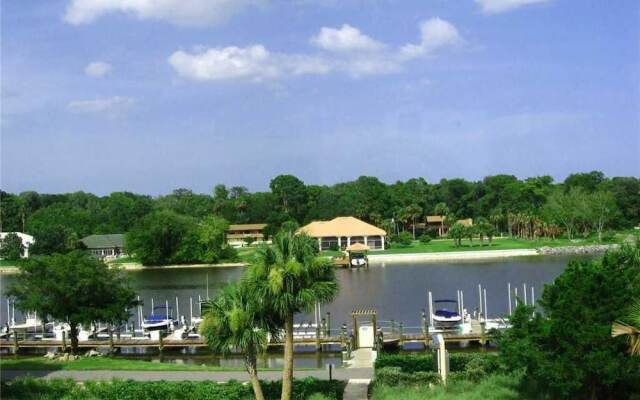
66,389
458,362
393,376
412,369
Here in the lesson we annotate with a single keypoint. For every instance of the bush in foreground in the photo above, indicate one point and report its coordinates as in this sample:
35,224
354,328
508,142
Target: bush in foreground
58,389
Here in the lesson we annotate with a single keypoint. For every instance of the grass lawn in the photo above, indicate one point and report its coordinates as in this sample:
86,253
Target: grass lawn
8,263
125,260
103,363
496,387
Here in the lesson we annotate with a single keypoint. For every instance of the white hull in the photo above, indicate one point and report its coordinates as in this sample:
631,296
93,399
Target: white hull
444,322
157,325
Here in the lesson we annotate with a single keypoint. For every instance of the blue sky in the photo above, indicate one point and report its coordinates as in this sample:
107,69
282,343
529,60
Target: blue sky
146,96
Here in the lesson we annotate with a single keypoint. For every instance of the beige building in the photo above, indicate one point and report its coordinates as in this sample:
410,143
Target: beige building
342,232
239,235
439,223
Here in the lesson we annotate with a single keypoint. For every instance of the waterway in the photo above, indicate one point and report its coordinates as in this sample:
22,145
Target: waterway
396,291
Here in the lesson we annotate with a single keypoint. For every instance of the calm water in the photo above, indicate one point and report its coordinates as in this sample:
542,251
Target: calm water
397,291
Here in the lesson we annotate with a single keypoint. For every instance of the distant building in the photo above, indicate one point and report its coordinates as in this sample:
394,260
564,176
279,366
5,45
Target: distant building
105,246
439,223
239,235
27,241
342,232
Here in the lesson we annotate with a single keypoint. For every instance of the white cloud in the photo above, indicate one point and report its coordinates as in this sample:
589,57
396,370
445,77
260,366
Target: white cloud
97,69
252,62
345,39
111,106
179,12
500,6
349,51
435,34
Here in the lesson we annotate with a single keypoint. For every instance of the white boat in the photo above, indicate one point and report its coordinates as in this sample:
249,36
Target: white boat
160,319
358,260
31,324
446,316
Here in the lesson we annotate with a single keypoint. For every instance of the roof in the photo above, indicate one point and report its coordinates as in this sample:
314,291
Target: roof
358,247
465,222
26,239
104,241
246,227
341,226
436,218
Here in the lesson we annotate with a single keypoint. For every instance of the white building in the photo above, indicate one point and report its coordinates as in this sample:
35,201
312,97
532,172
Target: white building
342,232
27,241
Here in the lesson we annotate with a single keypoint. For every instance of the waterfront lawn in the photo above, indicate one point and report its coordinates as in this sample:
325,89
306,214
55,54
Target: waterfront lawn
103,364
125,260
495,387
9,263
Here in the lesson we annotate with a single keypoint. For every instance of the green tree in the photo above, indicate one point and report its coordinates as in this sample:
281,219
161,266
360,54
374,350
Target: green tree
211,232
442,210
413,211
291,194
290,279
157,238
11,247
566,209
234,320
74,288
568,352
457,232
601,211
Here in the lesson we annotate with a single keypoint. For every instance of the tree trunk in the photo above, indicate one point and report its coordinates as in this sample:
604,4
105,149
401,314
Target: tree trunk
287,371
253,376
73,335
414,228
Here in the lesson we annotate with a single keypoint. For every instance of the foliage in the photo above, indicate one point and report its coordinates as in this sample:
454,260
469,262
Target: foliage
425,239
629,326
407,362
394,376
11,247
457,232
523,208
569,353
211,235
403,239
289,278
496,387
74,288
235,320
54,389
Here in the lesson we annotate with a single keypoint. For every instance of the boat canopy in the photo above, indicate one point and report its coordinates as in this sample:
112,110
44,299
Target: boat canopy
444,301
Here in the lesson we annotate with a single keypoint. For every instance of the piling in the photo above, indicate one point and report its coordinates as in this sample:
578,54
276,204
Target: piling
318,343
328,326
161,342
425,330
509,295
64,341
393,327
401,333
110,340
483,337
16,347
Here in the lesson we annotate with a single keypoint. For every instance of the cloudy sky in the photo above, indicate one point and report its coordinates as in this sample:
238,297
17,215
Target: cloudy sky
148,96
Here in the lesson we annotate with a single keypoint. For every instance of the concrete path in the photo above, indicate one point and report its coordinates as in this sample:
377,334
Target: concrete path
362,358
344,374
356,389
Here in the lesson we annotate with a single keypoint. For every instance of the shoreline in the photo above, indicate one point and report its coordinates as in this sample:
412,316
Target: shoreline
399,258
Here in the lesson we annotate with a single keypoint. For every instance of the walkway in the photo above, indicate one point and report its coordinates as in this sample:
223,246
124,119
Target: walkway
356,389
362,358
218,376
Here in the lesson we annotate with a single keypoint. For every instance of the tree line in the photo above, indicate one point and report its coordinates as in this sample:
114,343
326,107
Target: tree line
584,203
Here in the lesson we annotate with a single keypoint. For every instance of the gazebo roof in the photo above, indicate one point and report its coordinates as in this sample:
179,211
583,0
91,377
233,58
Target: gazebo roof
358,247
341,226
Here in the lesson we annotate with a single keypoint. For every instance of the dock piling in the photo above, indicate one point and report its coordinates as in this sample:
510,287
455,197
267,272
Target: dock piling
328,326
509,295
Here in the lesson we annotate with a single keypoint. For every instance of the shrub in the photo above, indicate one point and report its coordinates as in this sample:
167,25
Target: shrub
424,238
404,239
408,362
41,389
334,247
394,376
463,362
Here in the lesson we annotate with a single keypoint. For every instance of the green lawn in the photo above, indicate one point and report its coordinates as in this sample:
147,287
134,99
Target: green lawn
103,363
125,260
7,263
495,387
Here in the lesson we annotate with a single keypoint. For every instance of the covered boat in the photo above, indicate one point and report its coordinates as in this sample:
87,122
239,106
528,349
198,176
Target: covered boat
446,314
160,319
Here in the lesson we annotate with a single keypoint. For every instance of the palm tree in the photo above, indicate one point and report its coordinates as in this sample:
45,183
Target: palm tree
413,211
630,329
442,210
234,320
288,278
